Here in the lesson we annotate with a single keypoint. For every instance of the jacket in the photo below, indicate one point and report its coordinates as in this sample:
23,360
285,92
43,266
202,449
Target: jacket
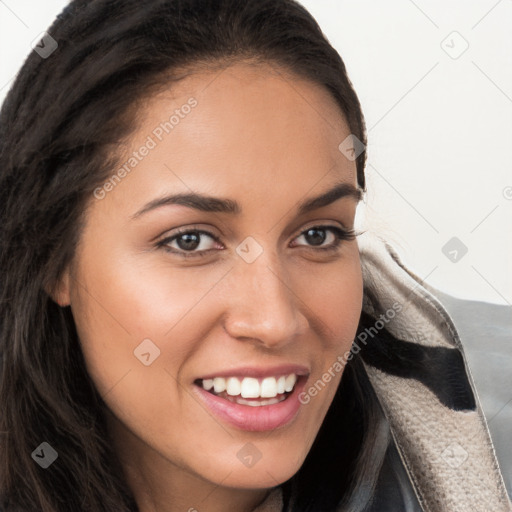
442,454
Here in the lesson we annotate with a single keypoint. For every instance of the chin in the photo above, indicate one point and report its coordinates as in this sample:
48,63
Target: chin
257,464
260,476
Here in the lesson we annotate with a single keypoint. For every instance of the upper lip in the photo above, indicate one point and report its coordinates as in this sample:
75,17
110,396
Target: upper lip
259,372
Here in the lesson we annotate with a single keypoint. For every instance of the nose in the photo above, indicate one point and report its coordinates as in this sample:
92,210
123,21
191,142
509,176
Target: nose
262,305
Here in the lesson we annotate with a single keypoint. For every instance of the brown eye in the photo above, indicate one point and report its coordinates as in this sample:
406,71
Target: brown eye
316,237
189,243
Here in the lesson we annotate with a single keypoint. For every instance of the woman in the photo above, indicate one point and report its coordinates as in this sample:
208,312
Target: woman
189,319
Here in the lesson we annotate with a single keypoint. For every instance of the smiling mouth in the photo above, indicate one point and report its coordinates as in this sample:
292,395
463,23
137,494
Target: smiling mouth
250,390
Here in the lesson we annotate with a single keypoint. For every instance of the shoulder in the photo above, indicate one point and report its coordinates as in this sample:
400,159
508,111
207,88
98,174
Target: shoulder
485,330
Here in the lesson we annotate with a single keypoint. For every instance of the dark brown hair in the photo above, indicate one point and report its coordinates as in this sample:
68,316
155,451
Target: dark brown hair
60,125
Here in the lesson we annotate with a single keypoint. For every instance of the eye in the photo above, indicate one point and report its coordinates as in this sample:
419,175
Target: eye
194,242
317,236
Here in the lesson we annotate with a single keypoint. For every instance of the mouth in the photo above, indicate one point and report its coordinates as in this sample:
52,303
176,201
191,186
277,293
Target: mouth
251,391
254,400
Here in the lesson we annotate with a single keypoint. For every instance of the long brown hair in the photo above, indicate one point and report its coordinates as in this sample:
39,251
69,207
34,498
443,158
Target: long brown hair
60,125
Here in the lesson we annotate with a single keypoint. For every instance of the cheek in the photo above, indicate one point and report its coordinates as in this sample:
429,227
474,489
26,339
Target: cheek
127,300
334,294
125,310
334,301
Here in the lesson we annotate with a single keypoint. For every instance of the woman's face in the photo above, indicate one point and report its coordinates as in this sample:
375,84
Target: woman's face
251,298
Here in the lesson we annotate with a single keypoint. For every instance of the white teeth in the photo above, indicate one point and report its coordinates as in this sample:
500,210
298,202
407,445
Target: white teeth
269,387
259,403
290,382
250,387
281,383
233,386
207,384
219,384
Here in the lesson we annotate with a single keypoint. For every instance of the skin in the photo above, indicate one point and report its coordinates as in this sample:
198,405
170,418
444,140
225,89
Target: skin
268,141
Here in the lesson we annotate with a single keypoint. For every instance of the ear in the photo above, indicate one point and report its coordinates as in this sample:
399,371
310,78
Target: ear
60,292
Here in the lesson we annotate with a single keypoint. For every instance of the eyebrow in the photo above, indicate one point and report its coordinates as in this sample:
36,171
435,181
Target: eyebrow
207,203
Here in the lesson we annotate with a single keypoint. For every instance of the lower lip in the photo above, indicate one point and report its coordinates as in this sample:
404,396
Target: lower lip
261,418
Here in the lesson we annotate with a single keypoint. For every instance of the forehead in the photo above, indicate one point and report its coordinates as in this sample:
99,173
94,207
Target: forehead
252,129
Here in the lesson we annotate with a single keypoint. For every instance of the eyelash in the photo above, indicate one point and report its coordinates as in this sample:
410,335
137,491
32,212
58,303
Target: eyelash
340,234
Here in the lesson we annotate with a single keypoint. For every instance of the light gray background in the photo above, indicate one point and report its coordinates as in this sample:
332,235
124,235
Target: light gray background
439,125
